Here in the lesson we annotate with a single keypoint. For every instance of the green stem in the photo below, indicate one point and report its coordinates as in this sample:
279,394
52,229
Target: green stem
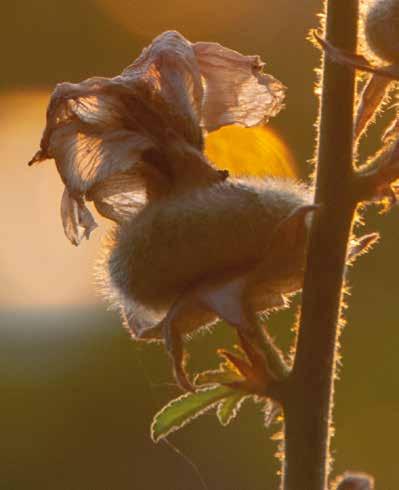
309,391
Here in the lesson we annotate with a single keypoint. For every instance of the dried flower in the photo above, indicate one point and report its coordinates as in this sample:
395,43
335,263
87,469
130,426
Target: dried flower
190,243
129,139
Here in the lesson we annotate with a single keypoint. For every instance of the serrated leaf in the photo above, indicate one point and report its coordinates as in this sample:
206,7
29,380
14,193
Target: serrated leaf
217,377
184,409
229,407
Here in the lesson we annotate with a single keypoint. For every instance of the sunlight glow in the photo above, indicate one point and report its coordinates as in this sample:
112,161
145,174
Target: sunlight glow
255,151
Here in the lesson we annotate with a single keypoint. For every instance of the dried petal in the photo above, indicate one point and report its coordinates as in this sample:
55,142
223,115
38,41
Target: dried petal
236,90
134,137
83,159
76,219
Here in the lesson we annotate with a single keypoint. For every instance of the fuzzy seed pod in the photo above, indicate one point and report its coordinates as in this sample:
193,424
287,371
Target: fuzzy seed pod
381,29
208,236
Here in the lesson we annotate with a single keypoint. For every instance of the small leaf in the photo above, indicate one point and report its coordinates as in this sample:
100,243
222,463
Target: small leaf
217,377
184,409
371,99
229,407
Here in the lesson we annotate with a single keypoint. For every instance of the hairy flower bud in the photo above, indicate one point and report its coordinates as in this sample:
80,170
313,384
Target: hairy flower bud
210,235
354,481
381,29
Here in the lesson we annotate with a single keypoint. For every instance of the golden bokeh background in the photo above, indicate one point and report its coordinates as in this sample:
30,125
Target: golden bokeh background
258,152
77,394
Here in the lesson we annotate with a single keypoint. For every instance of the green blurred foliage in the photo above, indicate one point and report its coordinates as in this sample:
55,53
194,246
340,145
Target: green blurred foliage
78,396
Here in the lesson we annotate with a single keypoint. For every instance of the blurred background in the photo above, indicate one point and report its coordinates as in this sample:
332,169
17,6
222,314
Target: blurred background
77,395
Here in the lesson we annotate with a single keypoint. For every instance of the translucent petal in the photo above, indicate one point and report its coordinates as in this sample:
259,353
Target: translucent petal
236,89
76,218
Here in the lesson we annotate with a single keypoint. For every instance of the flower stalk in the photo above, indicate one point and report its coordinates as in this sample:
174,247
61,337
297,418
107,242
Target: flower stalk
308,397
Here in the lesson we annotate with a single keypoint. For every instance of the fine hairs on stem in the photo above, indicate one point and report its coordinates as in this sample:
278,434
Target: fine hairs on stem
309,397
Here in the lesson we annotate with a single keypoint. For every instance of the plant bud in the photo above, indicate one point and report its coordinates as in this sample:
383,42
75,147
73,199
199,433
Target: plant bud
354,481
210,234
381,29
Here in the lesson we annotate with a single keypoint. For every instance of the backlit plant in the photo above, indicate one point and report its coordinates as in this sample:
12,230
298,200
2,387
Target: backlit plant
192,243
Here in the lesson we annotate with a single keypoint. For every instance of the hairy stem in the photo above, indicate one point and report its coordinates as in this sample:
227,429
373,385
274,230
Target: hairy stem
309,390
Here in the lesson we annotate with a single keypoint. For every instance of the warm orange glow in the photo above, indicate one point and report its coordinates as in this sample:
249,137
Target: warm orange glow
250,151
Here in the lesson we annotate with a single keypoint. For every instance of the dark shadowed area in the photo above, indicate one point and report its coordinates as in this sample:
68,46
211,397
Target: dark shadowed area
77,395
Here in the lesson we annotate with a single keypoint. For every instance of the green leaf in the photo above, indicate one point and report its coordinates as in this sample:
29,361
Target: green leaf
184,409
217,377
229,407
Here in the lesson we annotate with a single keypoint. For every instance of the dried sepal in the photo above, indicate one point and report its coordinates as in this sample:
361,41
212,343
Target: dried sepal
255,376
249,377
247,373
237,373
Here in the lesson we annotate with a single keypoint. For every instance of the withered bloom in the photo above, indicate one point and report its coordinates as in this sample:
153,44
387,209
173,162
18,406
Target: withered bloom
190,243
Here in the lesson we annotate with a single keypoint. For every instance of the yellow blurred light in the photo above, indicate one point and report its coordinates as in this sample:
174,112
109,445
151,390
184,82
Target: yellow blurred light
255,151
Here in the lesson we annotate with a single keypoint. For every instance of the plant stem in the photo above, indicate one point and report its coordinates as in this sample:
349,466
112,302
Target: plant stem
309,390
